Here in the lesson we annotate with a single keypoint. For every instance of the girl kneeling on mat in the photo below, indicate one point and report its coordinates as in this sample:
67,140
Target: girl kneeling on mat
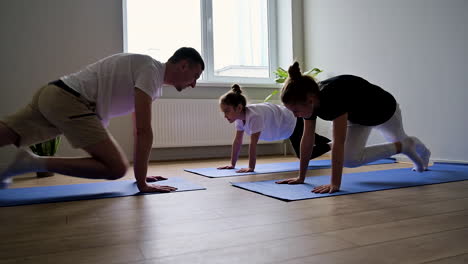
356,107
265,121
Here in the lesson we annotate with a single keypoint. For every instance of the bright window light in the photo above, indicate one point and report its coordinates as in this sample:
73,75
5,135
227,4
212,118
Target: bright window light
157,28
240,36
233,36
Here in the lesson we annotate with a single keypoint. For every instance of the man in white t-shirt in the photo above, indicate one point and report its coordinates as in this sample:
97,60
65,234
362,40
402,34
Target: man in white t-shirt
79,106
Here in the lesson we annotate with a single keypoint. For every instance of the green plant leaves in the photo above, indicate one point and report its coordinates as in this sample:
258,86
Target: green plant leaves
281,76
270,95
314,72
47,148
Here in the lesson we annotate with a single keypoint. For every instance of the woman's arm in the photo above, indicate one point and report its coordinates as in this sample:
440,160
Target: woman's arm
307,146
236,146
252,153
339,137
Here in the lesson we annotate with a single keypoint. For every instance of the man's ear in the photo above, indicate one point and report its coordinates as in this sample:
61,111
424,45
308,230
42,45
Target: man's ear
184,65
239,108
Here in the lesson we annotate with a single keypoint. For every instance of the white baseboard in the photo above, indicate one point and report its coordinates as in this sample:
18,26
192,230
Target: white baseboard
403,158
187,153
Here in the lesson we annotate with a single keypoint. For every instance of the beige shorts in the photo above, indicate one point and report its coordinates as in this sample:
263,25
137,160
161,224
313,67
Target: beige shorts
54,111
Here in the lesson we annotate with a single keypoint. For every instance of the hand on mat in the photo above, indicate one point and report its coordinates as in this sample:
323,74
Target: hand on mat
328,188
155,178
228,167
245,170
291,181
156,188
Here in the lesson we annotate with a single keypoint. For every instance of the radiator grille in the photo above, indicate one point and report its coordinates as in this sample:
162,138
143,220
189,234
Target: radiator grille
191,122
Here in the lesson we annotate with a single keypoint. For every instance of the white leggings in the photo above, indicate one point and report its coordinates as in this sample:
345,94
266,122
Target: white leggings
356,151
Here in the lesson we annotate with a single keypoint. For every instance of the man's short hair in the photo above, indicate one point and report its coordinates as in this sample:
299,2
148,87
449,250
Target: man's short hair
190,54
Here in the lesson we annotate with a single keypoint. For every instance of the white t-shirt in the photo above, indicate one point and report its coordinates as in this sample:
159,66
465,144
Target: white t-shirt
275,122
111,81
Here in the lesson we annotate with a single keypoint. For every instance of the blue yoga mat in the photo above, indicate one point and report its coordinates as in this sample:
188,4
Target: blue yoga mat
360,182
272,168
83,191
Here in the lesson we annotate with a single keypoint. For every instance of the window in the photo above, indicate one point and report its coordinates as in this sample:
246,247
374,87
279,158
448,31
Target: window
235,37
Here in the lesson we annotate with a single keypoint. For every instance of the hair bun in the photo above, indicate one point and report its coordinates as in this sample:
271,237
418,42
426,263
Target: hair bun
236,89
294,71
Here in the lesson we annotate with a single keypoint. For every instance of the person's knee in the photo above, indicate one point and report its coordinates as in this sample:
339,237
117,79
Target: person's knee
8,136
117,170
114,162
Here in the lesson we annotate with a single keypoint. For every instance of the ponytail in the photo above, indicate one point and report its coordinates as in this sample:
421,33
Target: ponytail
234,97
294,71
236,89
298,87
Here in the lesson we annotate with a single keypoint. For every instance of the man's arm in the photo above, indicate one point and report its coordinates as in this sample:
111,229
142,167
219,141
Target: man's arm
143,140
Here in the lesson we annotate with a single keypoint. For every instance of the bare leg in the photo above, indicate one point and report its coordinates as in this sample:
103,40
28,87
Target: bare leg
107,162
7,153
7,136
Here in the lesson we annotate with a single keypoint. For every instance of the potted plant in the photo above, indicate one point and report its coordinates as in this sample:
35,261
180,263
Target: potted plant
281,76
47,148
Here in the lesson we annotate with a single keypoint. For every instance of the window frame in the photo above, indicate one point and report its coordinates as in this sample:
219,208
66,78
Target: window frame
207,41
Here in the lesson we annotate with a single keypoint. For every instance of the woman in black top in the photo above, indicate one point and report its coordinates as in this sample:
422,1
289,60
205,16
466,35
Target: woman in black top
356,107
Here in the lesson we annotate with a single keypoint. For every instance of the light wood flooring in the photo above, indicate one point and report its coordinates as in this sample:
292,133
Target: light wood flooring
224,224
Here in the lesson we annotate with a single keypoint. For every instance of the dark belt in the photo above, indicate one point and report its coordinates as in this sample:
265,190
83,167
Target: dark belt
61,84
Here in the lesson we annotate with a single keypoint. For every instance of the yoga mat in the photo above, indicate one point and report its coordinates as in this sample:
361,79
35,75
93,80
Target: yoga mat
83,191
360,182
272,168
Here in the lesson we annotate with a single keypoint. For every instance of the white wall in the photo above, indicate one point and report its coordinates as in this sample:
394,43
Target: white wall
289,24
417,50
43,40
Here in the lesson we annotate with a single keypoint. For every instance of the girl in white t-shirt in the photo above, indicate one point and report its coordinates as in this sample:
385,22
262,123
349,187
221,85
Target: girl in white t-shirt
265,121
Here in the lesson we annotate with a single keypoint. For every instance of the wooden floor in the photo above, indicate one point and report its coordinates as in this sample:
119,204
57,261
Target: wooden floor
224,224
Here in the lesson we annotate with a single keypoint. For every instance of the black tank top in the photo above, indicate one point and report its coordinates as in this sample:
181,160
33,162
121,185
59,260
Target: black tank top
366,104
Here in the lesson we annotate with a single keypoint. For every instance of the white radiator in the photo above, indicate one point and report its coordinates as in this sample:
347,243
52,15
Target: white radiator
191,122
